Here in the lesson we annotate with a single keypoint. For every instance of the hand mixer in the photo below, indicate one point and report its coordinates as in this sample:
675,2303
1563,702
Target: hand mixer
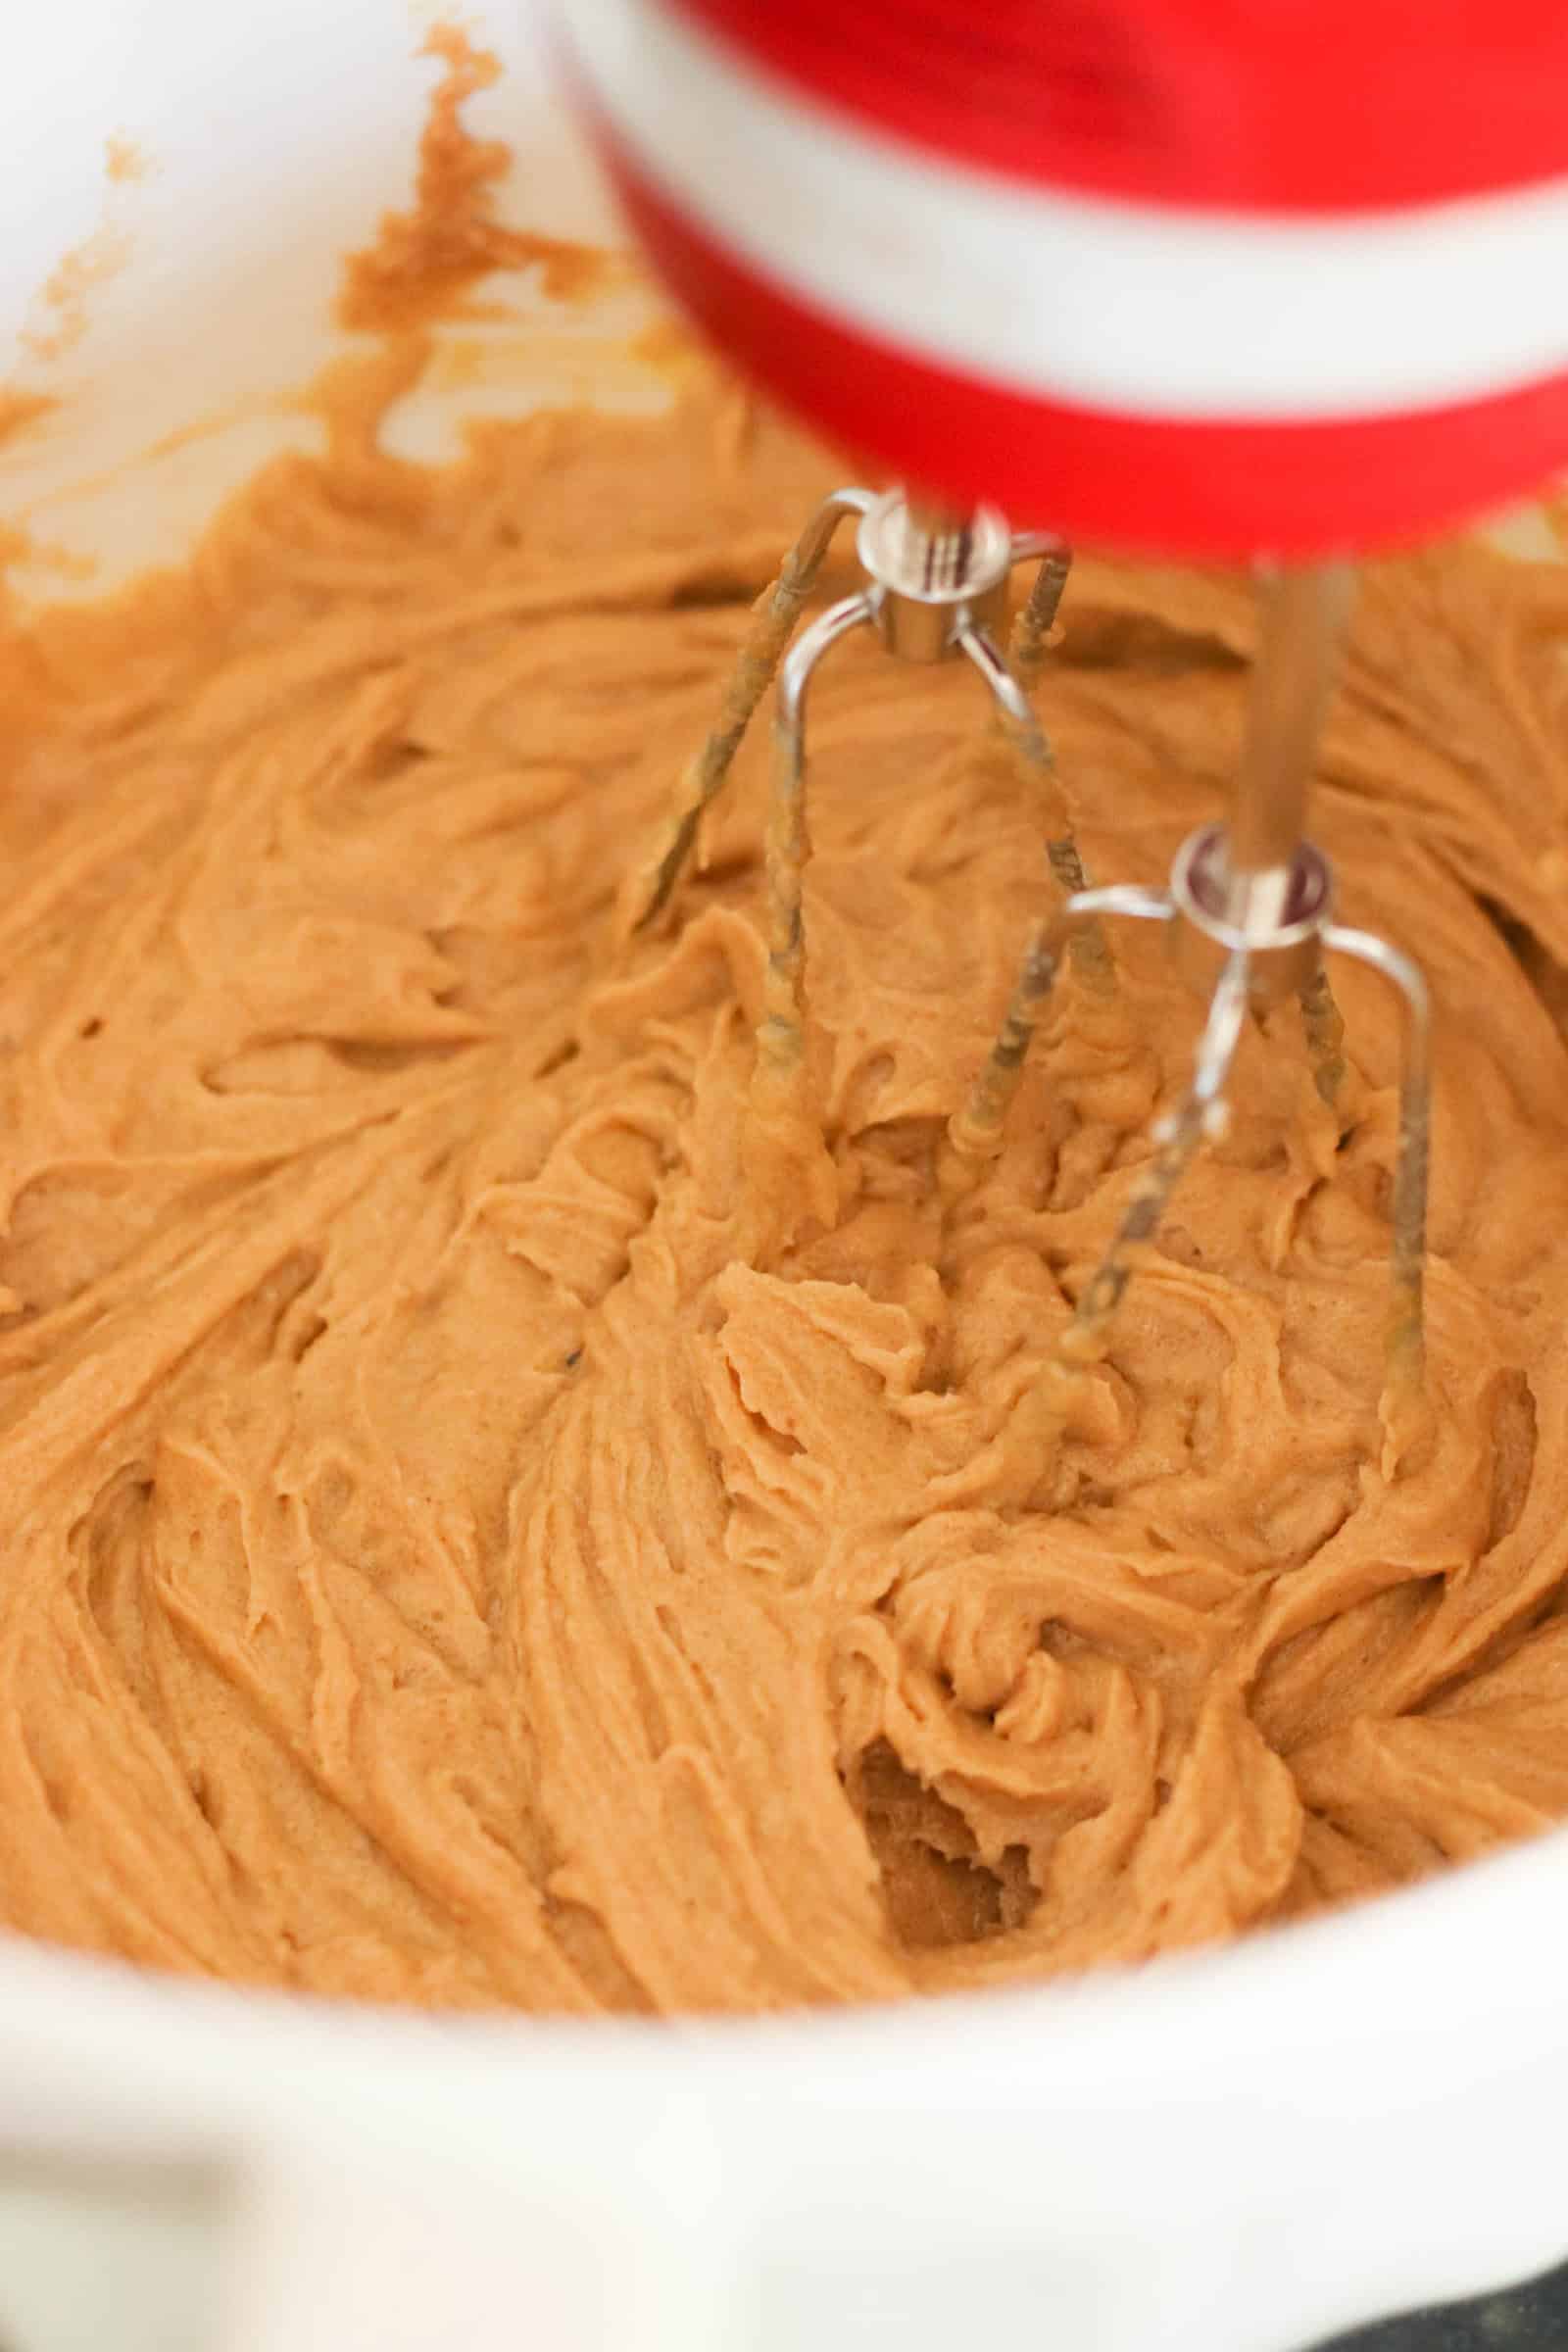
1196,276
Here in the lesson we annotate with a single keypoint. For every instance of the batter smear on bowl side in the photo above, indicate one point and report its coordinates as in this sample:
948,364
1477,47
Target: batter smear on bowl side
464,1538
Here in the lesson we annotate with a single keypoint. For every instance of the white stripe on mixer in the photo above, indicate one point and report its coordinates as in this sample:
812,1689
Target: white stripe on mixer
1157,313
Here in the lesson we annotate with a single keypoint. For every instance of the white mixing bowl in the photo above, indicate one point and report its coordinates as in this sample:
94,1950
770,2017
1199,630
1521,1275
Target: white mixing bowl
1238,2152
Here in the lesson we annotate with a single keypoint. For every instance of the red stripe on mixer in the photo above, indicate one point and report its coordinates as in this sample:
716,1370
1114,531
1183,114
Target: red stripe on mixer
1317,105
1146,310
1222,490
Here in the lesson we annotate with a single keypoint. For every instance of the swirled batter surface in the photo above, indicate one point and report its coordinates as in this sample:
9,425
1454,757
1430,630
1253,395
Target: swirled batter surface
454,1548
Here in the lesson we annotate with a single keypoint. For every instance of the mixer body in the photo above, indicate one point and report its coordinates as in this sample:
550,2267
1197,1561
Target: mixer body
1182,274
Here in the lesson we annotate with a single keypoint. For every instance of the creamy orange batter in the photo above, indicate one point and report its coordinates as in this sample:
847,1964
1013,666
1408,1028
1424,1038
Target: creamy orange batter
455,1547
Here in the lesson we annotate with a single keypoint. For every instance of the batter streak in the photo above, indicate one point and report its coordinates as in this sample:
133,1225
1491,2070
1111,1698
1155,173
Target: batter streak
457,1546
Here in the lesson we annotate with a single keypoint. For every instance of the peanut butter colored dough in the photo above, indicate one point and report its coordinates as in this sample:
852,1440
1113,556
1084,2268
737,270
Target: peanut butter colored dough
467,1535
439,1563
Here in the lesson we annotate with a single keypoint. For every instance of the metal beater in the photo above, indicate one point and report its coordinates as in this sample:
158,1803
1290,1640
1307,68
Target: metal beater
936,586
1249,906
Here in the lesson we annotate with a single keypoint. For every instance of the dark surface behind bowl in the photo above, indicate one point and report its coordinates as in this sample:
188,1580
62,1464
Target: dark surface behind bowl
1528,2319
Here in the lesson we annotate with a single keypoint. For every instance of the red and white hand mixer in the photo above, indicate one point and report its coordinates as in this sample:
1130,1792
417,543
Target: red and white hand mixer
1262,279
